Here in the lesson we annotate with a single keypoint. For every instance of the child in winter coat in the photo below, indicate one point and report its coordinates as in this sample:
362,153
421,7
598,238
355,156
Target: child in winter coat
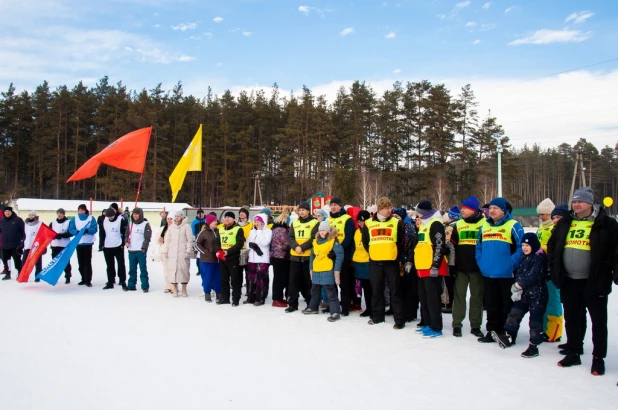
529,294
325,267
259,260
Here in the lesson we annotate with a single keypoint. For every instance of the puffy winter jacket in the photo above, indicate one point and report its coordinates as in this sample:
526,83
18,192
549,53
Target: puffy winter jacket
498,259
531,275
12,229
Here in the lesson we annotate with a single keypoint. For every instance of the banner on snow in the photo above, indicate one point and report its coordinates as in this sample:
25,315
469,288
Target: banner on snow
43,238
51,273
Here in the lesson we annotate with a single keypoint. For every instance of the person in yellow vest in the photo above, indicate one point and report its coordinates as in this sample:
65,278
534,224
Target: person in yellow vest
325,270
431,267
344,223
246,225
232,239
383,238
553,322
361,262
582,259
498,253
464,237
300,238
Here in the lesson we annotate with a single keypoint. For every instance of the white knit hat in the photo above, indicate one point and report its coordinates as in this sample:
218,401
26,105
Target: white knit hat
545,207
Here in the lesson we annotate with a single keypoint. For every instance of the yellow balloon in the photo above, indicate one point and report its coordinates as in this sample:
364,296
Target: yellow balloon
607,201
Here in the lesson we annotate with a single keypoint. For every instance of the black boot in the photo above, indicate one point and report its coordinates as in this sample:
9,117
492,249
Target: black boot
67,281
457,332
531,351
7,276
366,313
476,332
486,339
598,366
108,286
124,286
571,359
504,340
291,309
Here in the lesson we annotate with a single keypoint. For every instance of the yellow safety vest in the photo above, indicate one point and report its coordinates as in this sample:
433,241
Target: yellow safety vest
578,236
339,223
502,233
360,254
321,261
247,229
382,239
423,251
270,226
468,233
302,233
544,233
228,237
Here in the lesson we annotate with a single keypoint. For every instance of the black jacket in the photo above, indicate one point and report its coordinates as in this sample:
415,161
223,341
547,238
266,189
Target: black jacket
13,232
603,249
465,255
233,253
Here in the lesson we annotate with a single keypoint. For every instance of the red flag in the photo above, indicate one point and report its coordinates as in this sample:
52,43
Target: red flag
43,238
127,152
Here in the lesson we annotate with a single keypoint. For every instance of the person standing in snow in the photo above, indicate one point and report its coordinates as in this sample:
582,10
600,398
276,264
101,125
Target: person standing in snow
279,259
114,227
179,239
232,239
196,226
32,225
137,239
529,294
84,220
13,236
208,244
61,227
100,220
360,258
259,260
163,250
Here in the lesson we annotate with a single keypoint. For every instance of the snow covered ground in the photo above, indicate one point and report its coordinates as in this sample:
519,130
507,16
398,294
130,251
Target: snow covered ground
74,348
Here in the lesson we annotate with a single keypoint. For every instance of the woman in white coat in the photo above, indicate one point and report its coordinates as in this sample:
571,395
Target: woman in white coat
259,260
163,251
179,240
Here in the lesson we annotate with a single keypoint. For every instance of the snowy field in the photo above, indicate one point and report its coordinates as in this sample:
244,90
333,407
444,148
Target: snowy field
74,348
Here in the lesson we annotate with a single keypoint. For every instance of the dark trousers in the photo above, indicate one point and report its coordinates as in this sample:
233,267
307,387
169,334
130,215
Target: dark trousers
135,259
55,251
497,302
101,239
39,262
7,254
378,272
84,262
576,302
429,292
230,272
300,281
347,284
257,282
331,295
517,313
450,288
410,295
116,253
367,293
281,273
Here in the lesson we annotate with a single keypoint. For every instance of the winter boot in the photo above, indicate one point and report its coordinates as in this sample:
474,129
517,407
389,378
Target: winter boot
7,276
309,312
571,359
175,290
207,297
124,286
504,340
476,332
399,326
67,281
531,351
598,366
366,313
457,332
184,290
108,286
37,280
291,309
486,339
334,317
563,346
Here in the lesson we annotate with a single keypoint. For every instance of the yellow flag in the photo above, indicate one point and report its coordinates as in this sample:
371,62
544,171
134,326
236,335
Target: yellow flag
191,161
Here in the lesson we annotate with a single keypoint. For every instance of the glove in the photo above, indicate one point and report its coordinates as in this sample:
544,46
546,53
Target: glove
332,256
58,236
256,248
408,267
433,272
517,295
452,272
220,255
515,287
337,278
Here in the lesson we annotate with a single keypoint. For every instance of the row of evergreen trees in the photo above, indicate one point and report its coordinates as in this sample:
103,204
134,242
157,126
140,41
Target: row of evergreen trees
415,141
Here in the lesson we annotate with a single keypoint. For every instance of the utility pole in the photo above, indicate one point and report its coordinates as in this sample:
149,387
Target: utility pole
257,190
499,152
579,165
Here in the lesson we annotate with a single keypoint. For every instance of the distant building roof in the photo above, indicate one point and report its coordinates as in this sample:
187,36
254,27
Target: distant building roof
524,212
29,204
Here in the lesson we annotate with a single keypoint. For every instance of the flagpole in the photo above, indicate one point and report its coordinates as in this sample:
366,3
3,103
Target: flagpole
139,187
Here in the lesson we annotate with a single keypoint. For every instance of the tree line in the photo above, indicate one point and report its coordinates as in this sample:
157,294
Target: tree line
417,140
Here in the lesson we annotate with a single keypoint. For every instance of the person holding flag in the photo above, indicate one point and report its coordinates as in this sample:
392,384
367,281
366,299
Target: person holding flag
61,227
32,225
114,227
137,240
84,248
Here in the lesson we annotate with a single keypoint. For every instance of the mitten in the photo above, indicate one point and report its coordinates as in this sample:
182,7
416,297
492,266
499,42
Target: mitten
433,272
58,236
220,255
256,248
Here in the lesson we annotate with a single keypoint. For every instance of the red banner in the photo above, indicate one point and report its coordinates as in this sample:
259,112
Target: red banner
316,203
41,241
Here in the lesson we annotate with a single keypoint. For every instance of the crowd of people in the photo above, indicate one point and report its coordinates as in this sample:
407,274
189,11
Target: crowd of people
472,258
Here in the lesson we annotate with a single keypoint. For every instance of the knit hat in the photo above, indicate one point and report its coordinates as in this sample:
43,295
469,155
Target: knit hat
454,213
583,194
545,207
9,208
210,219
258,218
82,207
304,205
230,214
114,206
560,210
200,211
363,215
324,226
423,207
471,202
322,212
243,211
336,200
110,212
180,213
531,239
401,212
32,213
60,211
267,211
500,203
384,203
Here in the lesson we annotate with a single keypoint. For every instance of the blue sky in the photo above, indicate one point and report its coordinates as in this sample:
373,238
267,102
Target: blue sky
247,44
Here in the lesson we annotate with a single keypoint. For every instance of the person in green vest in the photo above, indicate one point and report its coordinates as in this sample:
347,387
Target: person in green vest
553,322
232,239
464,237
498,253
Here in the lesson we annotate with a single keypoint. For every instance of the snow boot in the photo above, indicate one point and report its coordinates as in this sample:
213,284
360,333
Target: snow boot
7,276
531,351
504,340
184,290
571,359
67,281
291,309
486,339
598,366
399,326
108,286
366,313
37,280
334,317
476,332
457,332
124,286
175,290
208,298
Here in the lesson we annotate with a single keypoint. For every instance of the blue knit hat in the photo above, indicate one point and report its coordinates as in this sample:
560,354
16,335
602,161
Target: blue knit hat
471,202
560,210
267,211
531,239
500,203
401,212
454,213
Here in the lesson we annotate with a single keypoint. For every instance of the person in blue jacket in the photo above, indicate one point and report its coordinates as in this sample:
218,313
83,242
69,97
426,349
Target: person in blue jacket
84,248
498,253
